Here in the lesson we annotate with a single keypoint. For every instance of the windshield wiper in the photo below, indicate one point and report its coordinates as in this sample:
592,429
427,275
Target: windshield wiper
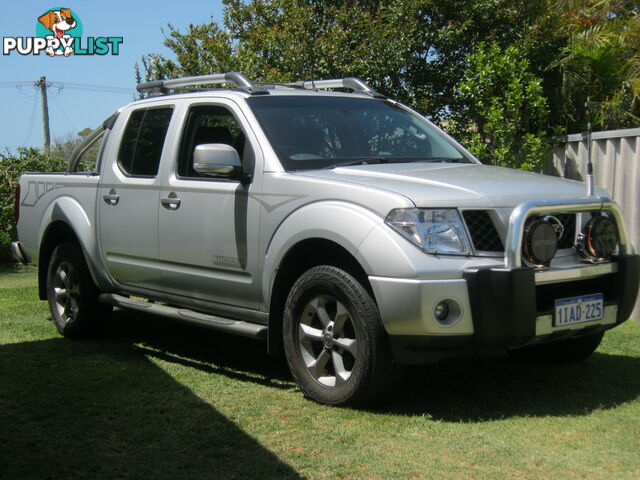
390,159
360,161
367,161
440,160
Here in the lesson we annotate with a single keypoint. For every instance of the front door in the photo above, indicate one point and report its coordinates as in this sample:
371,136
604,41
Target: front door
209,227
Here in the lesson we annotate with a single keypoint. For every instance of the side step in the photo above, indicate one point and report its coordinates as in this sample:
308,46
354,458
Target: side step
237,327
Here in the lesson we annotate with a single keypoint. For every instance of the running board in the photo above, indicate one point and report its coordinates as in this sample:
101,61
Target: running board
228,325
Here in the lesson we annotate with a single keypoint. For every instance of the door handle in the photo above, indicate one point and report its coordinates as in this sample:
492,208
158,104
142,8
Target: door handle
111,198
172,202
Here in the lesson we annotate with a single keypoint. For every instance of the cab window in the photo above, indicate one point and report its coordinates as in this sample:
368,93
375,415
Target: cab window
143,140
210,124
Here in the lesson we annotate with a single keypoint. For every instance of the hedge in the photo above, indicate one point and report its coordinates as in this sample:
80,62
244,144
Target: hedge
11,167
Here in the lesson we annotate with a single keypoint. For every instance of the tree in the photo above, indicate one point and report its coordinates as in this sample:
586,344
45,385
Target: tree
65,146
419,52
411,50
505,116
287,40
601,61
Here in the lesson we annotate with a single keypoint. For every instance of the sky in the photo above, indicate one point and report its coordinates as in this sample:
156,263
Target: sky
73,108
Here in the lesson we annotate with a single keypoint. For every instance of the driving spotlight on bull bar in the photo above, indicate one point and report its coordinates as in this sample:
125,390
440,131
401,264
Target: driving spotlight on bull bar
540,241
599,239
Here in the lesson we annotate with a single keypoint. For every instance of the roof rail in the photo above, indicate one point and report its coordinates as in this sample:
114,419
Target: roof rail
159,87
350,83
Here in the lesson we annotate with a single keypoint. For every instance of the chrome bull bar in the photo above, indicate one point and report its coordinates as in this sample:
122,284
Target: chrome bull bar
513,250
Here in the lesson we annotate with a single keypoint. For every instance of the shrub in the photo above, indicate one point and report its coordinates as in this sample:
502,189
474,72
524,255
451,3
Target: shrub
11,167
505,111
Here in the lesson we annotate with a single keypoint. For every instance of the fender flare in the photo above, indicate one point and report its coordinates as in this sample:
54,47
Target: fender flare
340,222
70,212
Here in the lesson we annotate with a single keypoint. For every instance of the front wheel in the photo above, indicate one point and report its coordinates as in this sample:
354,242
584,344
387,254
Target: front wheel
71,293
570,350
334,341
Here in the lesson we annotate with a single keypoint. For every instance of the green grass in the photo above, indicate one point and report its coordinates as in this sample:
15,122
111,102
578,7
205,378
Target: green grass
154,399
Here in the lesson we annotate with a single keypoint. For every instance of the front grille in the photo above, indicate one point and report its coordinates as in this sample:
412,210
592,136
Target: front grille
485,237
483,232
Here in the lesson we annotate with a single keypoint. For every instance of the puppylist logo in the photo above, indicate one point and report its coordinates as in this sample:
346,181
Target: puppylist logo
59,33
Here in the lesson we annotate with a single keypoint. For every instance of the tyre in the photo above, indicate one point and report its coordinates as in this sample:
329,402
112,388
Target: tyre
71,293
571,350
334,342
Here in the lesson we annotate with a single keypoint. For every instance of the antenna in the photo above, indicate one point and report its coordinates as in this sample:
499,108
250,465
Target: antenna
312,44
590,179
313,64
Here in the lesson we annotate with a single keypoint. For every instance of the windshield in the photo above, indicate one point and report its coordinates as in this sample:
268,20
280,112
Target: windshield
310,132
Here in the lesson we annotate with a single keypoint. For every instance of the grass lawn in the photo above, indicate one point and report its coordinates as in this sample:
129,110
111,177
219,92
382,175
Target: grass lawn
154,399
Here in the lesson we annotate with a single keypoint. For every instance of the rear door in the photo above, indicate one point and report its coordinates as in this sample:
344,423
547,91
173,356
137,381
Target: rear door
129,197
209,227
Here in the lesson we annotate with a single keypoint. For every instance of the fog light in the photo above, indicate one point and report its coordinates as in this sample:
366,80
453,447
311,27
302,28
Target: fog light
442,311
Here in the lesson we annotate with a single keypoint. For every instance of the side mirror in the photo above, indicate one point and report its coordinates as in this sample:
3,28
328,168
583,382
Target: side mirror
217,160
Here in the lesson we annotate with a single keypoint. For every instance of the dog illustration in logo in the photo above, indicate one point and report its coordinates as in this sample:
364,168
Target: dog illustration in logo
59,21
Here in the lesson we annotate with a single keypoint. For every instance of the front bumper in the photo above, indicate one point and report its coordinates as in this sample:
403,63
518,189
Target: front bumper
507,305
510,307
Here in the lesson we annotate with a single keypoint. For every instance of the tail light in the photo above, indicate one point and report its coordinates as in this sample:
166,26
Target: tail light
16,205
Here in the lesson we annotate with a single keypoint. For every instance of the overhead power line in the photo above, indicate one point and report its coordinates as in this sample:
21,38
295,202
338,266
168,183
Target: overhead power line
16,84
43,85
73,86
81,86
33,114
73,125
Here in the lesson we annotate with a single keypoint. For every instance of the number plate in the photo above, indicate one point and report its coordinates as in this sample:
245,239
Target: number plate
587,308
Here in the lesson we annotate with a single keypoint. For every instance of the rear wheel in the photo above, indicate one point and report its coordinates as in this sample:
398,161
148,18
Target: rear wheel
71,293
571,350
335,344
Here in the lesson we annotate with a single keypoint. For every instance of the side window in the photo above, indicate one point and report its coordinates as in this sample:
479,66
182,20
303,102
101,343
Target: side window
143,140
210,124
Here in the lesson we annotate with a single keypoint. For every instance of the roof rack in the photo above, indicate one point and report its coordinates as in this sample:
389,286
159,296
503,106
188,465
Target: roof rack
350,83
161,87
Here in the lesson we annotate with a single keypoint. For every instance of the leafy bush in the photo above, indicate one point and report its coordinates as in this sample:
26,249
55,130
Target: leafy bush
11,167
505,118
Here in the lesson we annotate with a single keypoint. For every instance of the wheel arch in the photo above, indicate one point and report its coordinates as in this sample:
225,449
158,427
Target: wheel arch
299,258
56,233
66,220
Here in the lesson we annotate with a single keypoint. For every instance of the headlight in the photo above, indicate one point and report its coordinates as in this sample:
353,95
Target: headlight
435,231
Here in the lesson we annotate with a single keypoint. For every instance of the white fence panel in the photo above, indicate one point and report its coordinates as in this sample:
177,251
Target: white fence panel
616,159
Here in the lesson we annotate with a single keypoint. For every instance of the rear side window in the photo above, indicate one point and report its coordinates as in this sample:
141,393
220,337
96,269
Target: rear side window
143,140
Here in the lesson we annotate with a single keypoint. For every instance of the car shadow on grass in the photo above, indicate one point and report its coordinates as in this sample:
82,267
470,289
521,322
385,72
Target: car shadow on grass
102,409
483,387
240,358
495,386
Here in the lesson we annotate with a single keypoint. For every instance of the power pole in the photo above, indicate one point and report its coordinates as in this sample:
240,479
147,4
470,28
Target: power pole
42,83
